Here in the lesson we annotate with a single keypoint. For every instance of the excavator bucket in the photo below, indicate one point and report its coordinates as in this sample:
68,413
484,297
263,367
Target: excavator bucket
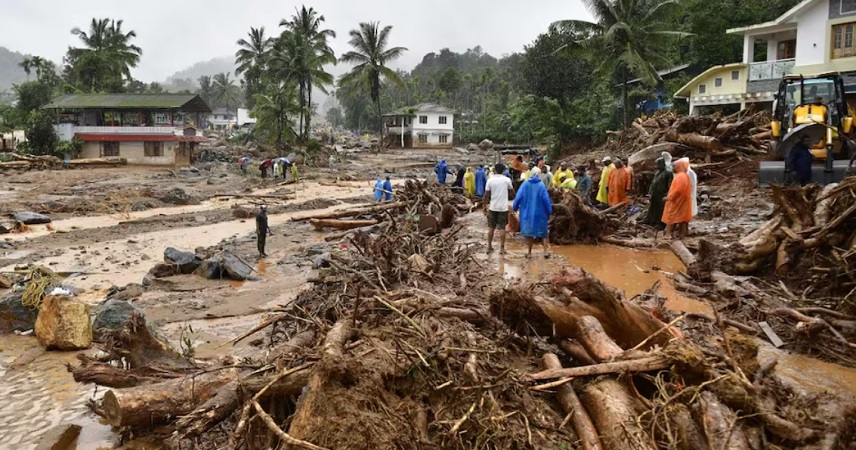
776,172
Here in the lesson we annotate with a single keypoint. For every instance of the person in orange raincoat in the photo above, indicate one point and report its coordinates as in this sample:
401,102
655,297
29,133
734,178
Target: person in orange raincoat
618,185
679,205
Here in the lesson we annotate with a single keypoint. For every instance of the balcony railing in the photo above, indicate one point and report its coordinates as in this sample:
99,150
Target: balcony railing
770,70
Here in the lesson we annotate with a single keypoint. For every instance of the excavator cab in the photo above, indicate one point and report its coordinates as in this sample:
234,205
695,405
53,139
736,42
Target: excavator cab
814,106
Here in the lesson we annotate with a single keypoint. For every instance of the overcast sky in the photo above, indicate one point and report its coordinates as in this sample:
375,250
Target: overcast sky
175,34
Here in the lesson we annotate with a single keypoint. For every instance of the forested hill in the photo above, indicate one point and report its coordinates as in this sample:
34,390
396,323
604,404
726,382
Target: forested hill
10,72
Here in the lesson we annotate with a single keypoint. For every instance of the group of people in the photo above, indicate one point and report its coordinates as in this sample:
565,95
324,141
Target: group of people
383,190
673,195
279,167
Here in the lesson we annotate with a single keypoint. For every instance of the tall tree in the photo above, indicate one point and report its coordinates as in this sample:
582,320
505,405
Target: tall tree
274,111
206,89
250,59
307,51
106,57
27,65
626,38
370,56
225,92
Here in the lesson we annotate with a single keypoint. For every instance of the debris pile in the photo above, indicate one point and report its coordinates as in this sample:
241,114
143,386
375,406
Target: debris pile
44,162
573,222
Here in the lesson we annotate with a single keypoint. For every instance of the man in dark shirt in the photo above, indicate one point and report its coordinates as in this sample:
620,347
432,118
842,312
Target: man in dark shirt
262,229
799,160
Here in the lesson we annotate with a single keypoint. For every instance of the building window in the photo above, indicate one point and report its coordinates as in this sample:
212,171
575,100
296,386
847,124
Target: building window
153,148
787,49
702,88
162,118
442,120
110,149
423,138
735,74
423,119
717,82
444,138
842,40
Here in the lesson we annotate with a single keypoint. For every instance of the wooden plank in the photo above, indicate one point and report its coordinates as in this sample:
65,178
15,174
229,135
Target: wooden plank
771,335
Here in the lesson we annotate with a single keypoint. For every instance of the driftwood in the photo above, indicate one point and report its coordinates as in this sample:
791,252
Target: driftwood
351,212
683,253
648,364
580,420
341,224
610,406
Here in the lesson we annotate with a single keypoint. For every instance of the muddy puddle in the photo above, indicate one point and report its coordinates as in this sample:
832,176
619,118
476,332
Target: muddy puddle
630,270
810,374
38,394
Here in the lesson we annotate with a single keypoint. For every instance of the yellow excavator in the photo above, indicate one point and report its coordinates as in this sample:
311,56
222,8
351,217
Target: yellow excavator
813,106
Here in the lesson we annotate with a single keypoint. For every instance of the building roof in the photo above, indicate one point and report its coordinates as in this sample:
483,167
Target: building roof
183,102
680,93
420,108
140,137
778,22
662,73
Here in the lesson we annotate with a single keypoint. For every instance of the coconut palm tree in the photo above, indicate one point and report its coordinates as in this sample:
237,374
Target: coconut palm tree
27,65
274,111
107,54
626,37
306,50
370,54
250,59
206,89
224,91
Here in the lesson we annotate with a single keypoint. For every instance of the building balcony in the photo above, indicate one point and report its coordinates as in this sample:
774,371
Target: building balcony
770,70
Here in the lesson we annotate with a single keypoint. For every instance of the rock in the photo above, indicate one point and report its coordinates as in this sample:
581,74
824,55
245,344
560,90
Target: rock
177,196
112,316
322,260
163,270
15,316
227,266
187,262
145,257
5,230
63,324
486,144
60,437
5,282
242,213
472,147
215,181
128,292
200,219
31,218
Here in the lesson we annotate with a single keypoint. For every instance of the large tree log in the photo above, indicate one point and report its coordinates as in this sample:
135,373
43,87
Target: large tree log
351,212
342,224
720,425
596,341
147,406
680,250
580,420
613,412
141,348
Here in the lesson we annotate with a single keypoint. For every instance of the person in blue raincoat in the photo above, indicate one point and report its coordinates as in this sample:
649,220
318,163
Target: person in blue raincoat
533,202
378,190
481,181
387,186
441,169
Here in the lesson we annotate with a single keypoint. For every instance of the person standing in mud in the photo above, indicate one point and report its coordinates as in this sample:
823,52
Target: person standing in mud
584,185
497,191
263,167
679,209
535,206
262,230
602,196
659,190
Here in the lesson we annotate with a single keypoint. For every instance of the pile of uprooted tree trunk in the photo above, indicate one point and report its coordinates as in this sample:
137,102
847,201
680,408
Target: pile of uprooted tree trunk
43,162
574,222
433,207
404,341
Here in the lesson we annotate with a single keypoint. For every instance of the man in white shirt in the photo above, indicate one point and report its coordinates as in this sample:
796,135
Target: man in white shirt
497,191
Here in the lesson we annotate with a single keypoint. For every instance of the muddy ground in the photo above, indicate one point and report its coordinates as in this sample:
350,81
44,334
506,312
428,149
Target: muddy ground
112,225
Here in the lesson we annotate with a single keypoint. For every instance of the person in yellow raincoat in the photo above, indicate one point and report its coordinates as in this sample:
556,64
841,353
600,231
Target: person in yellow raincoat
602,195
294,173
470,182
557,177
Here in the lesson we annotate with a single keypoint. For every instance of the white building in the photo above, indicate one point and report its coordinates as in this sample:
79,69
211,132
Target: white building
221,119
244,119
423,125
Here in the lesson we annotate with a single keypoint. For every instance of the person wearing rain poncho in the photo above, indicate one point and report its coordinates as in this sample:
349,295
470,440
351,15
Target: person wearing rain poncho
441,169
557,177
679,209
481,181
602,195
470,182
547,177
658,191
533,203
378,189
387,186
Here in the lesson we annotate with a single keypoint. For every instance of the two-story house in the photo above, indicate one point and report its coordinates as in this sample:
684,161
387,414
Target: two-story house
150,129
813,37
423,125
221,119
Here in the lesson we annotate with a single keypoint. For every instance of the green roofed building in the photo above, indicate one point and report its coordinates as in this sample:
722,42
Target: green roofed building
152,129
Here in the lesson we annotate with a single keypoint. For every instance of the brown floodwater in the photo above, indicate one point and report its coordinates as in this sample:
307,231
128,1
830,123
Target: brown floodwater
631,270
810,374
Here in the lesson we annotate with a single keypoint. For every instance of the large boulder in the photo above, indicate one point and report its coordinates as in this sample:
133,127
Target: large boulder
15,316
112,315
177,196
63,324
486,144
226,266
163,270
30,218
186,262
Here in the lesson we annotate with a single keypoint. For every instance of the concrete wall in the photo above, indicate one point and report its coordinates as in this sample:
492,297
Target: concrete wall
134,152
728,87
813,43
